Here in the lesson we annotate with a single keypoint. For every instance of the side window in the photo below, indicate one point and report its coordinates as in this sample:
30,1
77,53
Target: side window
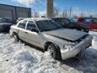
22,24
31,25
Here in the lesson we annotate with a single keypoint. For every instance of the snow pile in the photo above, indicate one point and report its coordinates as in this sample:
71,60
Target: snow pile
22,62
15,57
92,51
94,43
19,58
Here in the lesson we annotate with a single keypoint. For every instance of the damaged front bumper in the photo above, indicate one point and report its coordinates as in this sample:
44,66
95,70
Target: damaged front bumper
85,43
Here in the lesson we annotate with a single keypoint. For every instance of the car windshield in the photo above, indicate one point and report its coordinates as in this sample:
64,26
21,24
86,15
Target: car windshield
88,20
85,20
48,25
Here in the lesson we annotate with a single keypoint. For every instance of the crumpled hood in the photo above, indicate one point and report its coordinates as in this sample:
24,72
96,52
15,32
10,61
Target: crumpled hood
67,34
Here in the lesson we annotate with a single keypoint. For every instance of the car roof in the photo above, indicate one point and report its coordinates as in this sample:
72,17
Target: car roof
36,19
59,18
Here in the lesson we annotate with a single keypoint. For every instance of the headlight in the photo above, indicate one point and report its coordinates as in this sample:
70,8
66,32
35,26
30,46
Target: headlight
69,45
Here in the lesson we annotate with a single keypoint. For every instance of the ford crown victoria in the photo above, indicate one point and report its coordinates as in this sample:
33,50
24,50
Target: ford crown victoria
63,43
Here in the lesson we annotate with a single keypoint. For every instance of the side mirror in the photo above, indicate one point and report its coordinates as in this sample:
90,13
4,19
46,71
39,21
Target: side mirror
34,30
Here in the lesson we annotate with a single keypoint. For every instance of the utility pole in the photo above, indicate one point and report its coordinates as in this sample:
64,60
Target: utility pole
49,9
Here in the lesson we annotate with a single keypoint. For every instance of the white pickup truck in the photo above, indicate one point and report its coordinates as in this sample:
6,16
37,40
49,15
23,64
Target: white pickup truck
46,34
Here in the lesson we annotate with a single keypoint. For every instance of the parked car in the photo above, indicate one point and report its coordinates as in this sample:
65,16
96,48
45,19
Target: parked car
91,22
5,24
70,23
62,43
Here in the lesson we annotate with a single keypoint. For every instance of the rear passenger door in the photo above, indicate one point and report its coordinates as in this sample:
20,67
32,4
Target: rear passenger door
33,37
21,30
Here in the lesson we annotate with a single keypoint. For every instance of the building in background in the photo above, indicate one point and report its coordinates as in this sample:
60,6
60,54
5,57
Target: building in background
14,12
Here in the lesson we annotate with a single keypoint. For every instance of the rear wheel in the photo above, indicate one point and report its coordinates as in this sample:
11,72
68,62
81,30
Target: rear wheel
15,36
54,51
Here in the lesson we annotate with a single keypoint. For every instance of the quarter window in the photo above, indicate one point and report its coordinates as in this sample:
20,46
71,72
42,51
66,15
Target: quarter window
22,24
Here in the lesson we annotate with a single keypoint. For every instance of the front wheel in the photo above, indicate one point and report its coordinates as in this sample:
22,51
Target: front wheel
54,52
80,55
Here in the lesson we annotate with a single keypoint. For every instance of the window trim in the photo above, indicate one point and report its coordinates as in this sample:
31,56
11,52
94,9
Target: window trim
34,24
27,25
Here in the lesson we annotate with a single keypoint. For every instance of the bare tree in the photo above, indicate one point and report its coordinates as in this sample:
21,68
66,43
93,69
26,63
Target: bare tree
81,14
70,11
35,14
64,13
56,12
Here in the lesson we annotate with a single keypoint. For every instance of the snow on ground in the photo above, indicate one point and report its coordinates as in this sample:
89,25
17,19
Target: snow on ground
16,57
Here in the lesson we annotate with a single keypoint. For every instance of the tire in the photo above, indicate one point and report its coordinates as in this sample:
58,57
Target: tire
16,38
54,51
80,55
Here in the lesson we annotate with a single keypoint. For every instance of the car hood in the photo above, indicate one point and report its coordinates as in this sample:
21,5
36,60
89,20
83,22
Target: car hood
67,34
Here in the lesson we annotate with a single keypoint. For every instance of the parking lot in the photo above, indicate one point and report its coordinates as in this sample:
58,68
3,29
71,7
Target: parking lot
16,57
62,29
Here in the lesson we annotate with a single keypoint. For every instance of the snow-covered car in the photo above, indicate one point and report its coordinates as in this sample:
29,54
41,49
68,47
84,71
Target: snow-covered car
48,35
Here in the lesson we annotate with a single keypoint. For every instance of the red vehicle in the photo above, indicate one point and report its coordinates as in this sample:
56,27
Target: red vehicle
90,22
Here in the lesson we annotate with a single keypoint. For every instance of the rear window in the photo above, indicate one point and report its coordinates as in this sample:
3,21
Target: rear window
31,25
22,24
